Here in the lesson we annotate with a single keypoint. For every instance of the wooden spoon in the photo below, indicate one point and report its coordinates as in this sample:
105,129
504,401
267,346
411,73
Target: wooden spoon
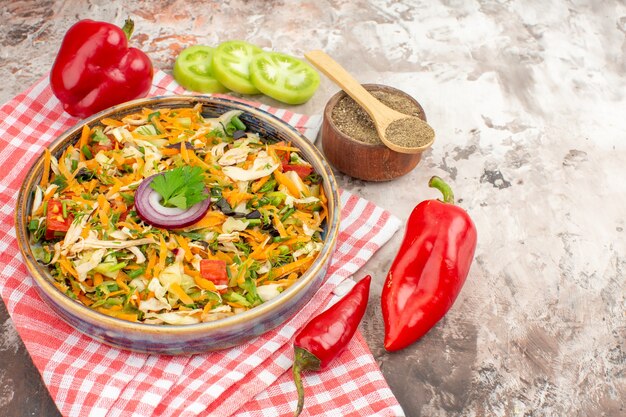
412,128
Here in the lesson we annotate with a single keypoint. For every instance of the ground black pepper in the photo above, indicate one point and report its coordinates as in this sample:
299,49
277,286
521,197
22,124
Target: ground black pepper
408,133
354,122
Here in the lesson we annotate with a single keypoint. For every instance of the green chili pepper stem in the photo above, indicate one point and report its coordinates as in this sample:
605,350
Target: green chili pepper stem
439,184
303,361
128,28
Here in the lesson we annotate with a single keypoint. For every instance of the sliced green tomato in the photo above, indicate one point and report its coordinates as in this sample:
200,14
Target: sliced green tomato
231,65
193,70
284,77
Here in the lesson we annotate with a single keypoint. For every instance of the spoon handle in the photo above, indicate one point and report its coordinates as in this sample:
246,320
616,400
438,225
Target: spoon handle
343,79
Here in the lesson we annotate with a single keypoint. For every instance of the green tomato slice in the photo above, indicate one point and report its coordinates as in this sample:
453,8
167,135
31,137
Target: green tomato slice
283,77
194,70
231,65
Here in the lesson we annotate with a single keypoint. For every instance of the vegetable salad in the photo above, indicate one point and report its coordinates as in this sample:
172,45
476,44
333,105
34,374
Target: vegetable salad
261,211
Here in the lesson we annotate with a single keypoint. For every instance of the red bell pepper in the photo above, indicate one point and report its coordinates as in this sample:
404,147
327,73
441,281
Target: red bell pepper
95,69
429,270
327,334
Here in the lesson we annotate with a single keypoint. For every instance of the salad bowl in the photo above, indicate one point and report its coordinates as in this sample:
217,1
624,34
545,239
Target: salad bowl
182,339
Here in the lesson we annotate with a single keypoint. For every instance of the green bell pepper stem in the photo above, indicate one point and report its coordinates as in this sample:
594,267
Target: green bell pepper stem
439,184
128,28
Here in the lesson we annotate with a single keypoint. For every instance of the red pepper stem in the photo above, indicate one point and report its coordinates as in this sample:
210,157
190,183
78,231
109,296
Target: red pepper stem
128,28
303,361
438,183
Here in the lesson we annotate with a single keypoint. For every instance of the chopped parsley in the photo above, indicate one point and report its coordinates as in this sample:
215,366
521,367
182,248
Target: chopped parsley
180,187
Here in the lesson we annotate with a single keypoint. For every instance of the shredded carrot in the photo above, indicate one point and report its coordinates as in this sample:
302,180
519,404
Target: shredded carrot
46,168
285,148
130,225
288,183
118,158
204,283
162,253
103,208
223,256
234,197
127,316
182,241
243,268
139,171
116,293
83,299
117,184
152,259
261,253
182,295
120,282
292,267
68,267
194,160
210,219
278,225
63,168
84,138
183,152
170,151
85,232
259,183
50,193
111,122
97,279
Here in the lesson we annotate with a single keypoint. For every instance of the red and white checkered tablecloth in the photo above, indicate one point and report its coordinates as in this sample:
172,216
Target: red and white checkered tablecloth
88,378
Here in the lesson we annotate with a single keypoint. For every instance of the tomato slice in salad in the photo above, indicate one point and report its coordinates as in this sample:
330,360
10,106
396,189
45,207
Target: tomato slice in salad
231,65
194,70
214,270
283,77
56,223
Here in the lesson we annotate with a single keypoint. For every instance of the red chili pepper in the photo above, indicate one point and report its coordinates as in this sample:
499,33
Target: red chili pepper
95,69
429,270
327,334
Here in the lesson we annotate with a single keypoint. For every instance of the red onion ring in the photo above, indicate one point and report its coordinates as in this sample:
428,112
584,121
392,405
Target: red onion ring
150,210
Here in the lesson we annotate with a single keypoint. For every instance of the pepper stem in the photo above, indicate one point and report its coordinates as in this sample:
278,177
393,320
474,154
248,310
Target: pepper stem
303,361
128,28
438,183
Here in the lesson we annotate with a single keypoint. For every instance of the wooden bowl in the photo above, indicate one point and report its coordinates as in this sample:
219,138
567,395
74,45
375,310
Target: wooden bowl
365,161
